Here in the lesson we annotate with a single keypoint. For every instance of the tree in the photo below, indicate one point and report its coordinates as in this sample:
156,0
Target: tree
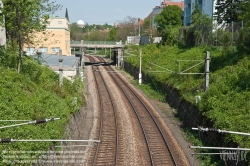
244,13
126,27
196,14
169,18
76,33
112,34
201,25
228,10
145,27
23,19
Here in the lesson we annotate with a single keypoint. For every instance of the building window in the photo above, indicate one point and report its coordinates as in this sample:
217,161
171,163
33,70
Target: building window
188,5
193,6
55,49
203,2
43,49
60,22
30,50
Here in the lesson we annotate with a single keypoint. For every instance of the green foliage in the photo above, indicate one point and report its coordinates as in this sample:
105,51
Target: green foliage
112,34
244,15
196,13
243,43
91,32
146,27
24,18
168,18
76,33
35,94
228,10
171,36
201,27
225,104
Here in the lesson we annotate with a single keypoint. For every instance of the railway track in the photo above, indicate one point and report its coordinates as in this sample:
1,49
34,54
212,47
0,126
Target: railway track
160,147
106,152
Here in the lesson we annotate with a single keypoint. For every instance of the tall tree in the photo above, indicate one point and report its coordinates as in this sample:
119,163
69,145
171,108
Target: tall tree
244,14
112,34
23,18
228,10
169,18
202,26
127,27
196,14
145,27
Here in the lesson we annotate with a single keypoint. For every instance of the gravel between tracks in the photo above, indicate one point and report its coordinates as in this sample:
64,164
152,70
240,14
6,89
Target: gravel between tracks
131,148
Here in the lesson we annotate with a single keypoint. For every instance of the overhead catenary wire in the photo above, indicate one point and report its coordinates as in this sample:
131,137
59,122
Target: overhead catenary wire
39,121
14,120
162,67
220,131
9,140
218,148
70,146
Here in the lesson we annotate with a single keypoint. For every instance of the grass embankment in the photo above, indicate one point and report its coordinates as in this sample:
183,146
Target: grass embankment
34,94
225,104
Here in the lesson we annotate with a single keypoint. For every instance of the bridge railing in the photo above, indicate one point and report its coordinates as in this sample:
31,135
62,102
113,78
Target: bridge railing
96,42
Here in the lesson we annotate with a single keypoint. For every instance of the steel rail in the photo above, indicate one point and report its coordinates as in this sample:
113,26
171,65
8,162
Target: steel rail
101,112
165,141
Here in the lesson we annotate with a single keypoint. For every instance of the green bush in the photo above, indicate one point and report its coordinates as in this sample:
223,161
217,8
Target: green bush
35,94
225,104
243,43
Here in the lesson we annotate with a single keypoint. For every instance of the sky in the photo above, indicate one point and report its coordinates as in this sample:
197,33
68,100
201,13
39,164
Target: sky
106,11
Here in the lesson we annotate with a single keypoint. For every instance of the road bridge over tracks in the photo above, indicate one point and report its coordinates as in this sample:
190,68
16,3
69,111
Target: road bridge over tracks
116,47
96,44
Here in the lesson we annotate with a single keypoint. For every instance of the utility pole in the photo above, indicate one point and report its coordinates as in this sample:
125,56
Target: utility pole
207,70
83,60
60,68
232,33
110,53
77,66
140,75
139,27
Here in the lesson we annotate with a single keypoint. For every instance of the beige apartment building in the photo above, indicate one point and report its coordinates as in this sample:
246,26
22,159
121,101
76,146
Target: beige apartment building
55,37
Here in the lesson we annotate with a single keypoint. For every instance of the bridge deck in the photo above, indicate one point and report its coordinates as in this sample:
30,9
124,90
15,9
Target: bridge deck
96,44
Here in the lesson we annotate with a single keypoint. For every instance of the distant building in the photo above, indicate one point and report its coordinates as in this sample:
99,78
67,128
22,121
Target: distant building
206,7
133,40
55,37
157,9
2,31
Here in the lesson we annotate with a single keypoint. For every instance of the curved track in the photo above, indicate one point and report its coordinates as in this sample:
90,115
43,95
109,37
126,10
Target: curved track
160,146
106,152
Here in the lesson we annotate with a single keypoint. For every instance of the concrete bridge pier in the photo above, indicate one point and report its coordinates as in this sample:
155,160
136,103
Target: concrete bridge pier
119,57
82,52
